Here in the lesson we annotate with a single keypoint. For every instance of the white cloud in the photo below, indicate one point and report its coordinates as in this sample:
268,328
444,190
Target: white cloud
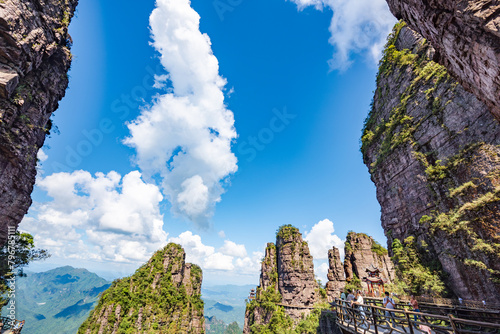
219,261
231,257
41,155
232,249
222,234
250,265
103,217
356,26
160,81
321,271
202,255
321,238
185,137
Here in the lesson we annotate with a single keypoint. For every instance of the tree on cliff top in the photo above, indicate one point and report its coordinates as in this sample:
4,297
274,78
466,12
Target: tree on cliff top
14,255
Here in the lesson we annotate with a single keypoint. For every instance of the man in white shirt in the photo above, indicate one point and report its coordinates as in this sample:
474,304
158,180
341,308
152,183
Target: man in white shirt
389,304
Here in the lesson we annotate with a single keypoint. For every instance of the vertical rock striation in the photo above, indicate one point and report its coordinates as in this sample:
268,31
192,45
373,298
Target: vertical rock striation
362,252
336,276
288,289
163,296
466,36
296,281
34,60
433,153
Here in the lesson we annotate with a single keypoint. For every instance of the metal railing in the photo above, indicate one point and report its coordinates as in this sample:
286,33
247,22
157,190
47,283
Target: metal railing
458,311
375,319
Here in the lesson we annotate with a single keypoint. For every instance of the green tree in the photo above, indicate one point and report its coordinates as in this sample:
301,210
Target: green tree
354,284
14,255
233,328
416,274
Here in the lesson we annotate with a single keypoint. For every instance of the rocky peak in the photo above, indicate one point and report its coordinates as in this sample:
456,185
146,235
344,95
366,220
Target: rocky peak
336,275
362,252
466,36
287,281
432,149
162,296
296,281
269,272
34,60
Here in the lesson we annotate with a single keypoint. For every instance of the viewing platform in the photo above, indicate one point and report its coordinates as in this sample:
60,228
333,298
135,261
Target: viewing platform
370,318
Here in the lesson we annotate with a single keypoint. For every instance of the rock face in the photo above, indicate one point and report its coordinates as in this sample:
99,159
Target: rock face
163,296
34,60
296,281
466,36
287,282
433,152
336,276
362,252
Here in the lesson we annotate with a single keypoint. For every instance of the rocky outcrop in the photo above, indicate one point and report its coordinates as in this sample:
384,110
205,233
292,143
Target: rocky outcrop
288,289
466,36
34,60
361,253
296,282
336,276
163,296
433,152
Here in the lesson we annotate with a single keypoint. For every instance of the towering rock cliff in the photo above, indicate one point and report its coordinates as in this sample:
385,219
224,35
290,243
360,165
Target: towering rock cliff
433,153
466,36
34,60
336,275
287,290
362,252
163,296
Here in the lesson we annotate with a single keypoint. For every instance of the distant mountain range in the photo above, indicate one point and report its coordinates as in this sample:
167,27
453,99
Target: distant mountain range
226,302
58,300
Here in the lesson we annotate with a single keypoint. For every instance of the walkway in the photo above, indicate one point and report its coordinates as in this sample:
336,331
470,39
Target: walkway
373,319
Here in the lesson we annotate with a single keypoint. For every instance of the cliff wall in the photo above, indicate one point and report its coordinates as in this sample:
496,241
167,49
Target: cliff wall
466,35
287,289
163,296
433,152
34,60
336,275
361,253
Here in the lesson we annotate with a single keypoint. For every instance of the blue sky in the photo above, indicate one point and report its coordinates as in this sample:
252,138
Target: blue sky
165,136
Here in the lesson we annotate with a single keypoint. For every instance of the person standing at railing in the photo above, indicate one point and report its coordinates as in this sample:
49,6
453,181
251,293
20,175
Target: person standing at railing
358,302
414,305
390,304
350,297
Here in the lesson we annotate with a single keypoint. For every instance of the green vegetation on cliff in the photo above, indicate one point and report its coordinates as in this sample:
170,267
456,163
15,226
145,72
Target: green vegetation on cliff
413,276
415,122
286,232
151,298
280,322
399,128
